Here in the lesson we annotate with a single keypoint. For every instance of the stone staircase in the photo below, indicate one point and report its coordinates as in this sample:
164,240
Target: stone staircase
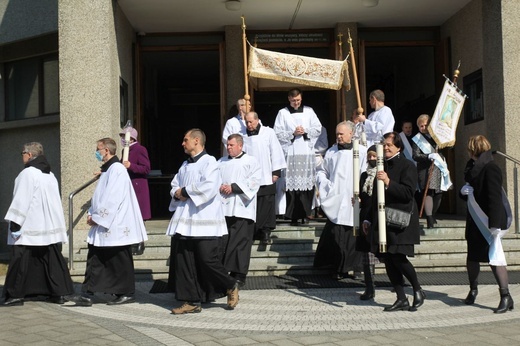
442,249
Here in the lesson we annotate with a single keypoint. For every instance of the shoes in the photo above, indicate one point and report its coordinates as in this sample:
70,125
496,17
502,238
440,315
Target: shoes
369,293
13,302
506,302
241,283
232,297
472,295
429,221
418,299
339,276
399,305
295,222
187,308
122,300
266,240
57,300
83,301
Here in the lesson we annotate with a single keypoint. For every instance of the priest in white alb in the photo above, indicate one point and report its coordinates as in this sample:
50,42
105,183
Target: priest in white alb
197,274
297,128
261,143
335,183
241,177
116,223
36,232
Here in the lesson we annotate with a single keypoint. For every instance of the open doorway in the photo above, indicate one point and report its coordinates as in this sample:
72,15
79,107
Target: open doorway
180,90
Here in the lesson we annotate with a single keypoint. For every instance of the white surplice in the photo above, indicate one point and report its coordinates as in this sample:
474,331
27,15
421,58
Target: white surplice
377,124
335,183
201,215
245,172
37,208
299,153
267,150
115,209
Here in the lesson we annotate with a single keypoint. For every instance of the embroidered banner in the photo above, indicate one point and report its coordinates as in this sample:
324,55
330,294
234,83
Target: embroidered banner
297,69
443,125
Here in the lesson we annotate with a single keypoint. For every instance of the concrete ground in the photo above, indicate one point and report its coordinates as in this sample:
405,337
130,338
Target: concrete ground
310,316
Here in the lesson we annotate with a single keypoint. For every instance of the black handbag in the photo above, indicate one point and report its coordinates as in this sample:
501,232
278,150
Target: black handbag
398,218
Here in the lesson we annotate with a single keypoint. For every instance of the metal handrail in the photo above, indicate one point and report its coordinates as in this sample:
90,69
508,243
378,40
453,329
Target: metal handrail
515,186
71,219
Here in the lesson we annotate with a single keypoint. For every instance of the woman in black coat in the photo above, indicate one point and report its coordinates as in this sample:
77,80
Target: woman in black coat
484,180
400,180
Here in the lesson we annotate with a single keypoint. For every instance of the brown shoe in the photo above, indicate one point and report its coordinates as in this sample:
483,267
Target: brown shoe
232,297
186,308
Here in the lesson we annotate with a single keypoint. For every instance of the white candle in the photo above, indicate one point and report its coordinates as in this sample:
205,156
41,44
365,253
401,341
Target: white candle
381,213
355,178
363,138
126,149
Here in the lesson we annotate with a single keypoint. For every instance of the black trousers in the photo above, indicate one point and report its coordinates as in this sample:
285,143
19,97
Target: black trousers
197,273
238,248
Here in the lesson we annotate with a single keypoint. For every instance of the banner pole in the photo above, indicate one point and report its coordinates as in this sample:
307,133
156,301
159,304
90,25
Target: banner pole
244,49
354,74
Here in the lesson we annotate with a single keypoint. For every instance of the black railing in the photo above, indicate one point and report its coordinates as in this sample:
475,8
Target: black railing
515,186
71,219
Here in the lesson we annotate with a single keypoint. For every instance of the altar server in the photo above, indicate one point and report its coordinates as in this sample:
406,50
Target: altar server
36,232
336,190
116,223
197,274
261,143
241,177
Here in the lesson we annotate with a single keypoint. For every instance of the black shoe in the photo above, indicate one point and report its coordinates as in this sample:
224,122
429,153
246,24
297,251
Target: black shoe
83,301
429,221
369,294
266,240
57,300
472,295
13,302
122,300
418,299
506,302
399,305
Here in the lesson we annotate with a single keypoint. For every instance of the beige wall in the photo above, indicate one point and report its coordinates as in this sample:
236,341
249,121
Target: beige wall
95,50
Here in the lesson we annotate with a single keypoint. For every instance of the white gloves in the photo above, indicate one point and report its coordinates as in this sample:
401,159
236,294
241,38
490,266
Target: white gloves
466,190
495,231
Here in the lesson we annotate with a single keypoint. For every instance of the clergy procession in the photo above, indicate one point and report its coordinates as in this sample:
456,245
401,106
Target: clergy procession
370,184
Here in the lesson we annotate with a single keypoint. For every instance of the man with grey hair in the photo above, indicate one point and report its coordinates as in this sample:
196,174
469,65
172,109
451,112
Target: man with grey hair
36,231
380,121
336,190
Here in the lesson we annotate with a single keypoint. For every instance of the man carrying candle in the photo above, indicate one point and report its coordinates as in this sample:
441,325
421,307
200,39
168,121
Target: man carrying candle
335,181
380,121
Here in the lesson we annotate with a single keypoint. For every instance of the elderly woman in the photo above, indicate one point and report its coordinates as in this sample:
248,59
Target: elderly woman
400,180
483,189
424,152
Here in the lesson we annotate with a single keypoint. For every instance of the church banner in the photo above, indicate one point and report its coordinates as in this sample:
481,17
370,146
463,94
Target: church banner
443,125
297,69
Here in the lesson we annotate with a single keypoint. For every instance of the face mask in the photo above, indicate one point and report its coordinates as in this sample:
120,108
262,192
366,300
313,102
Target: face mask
372,163
99,157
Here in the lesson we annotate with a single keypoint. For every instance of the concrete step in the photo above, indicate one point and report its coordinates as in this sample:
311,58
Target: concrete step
442,248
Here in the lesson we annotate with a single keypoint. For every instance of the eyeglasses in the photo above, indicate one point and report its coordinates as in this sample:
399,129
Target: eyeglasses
24,152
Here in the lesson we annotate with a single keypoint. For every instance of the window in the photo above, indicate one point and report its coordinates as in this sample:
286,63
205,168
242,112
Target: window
474,108
32,87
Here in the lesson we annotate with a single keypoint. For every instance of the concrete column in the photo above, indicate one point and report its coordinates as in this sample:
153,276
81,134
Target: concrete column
89,93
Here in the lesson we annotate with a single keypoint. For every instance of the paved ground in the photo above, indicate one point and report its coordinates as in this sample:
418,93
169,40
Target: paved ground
325,316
